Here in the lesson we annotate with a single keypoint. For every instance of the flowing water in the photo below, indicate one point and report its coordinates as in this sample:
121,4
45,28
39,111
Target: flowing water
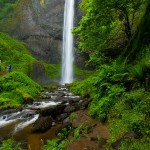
67,56
18,123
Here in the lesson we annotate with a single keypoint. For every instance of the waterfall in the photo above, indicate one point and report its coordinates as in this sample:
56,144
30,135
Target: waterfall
67,53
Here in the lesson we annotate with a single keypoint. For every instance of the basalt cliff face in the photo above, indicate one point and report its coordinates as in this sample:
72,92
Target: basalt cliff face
39,23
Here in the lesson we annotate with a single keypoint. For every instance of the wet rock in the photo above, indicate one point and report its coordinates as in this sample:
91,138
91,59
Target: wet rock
48,95
42,124
86,95
24,145
9,111
133,134
28,115
4,117
53,123
85,103
52,111
60,94
36,104
73,101
64,101
65,122
80,102
130,134
69,109
62,117
117,144
62,89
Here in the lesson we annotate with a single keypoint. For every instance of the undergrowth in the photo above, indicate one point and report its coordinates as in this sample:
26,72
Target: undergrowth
17,88
120,96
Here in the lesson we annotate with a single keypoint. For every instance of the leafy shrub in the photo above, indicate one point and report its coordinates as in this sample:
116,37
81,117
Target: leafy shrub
17,88
133,144
53,145
139,71
63,133
11,99
126,109
19,80
6,7
130,113
10,145
77,132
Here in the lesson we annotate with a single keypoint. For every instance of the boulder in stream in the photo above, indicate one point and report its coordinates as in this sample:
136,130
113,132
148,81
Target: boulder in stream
52,111
42,124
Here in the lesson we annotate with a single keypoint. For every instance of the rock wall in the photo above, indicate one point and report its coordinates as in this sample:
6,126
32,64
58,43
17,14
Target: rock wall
39,23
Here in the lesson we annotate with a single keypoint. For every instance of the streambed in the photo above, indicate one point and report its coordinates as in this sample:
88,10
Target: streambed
18,123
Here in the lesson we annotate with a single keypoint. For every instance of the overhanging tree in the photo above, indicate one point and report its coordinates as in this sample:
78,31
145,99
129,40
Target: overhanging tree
103,21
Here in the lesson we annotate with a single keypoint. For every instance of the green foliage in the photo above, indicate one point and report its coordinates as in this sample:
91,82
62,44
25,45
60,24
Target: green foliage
10,145
133,144
119,91
64,133
114,101
130,113
15,53
77,132
52,70
81,88
81,74
100,106
6,7
0,68
103,20
51,87
104,88
17,88
53,145
139,70
11,99
17,80
141,36
72,116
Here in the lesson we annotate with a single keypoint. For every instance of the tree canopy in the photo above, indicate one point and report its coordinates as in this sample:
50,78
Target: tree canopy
106,24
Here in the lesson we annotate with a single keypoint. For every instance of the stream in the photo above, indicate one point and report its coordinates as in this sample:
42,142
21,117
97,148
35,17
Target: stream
17,124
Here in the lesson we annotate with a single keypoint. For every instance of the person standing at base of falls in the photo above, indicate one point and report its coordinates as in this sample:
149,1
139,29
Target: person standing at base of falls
9,68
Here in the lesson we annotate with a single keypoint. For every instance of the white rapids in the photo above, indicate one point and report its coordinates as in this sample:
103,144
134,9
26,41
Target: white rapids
24,117
24,124
6,119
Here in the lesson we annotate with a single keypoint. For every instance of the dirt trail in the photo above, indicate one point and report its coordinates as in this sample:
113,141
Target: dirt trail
95,138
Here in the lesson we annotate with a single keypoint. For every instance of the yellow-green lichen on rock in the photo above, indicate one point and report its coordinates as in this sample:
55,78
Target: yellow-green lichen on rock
42,2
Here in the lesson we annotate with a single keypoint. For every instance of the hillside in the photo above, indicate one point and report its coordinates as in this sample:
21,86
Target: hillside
119,90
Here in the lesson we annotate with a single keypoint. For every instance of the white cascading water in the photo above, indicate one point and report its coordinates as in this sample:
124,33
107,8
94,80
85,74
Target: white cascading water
24,124
67,56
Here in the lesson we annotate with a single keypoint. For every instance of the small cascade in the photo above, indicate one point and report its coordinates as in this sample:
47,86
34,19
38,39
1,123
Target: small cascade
26,117
7,119
67,56
25,123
